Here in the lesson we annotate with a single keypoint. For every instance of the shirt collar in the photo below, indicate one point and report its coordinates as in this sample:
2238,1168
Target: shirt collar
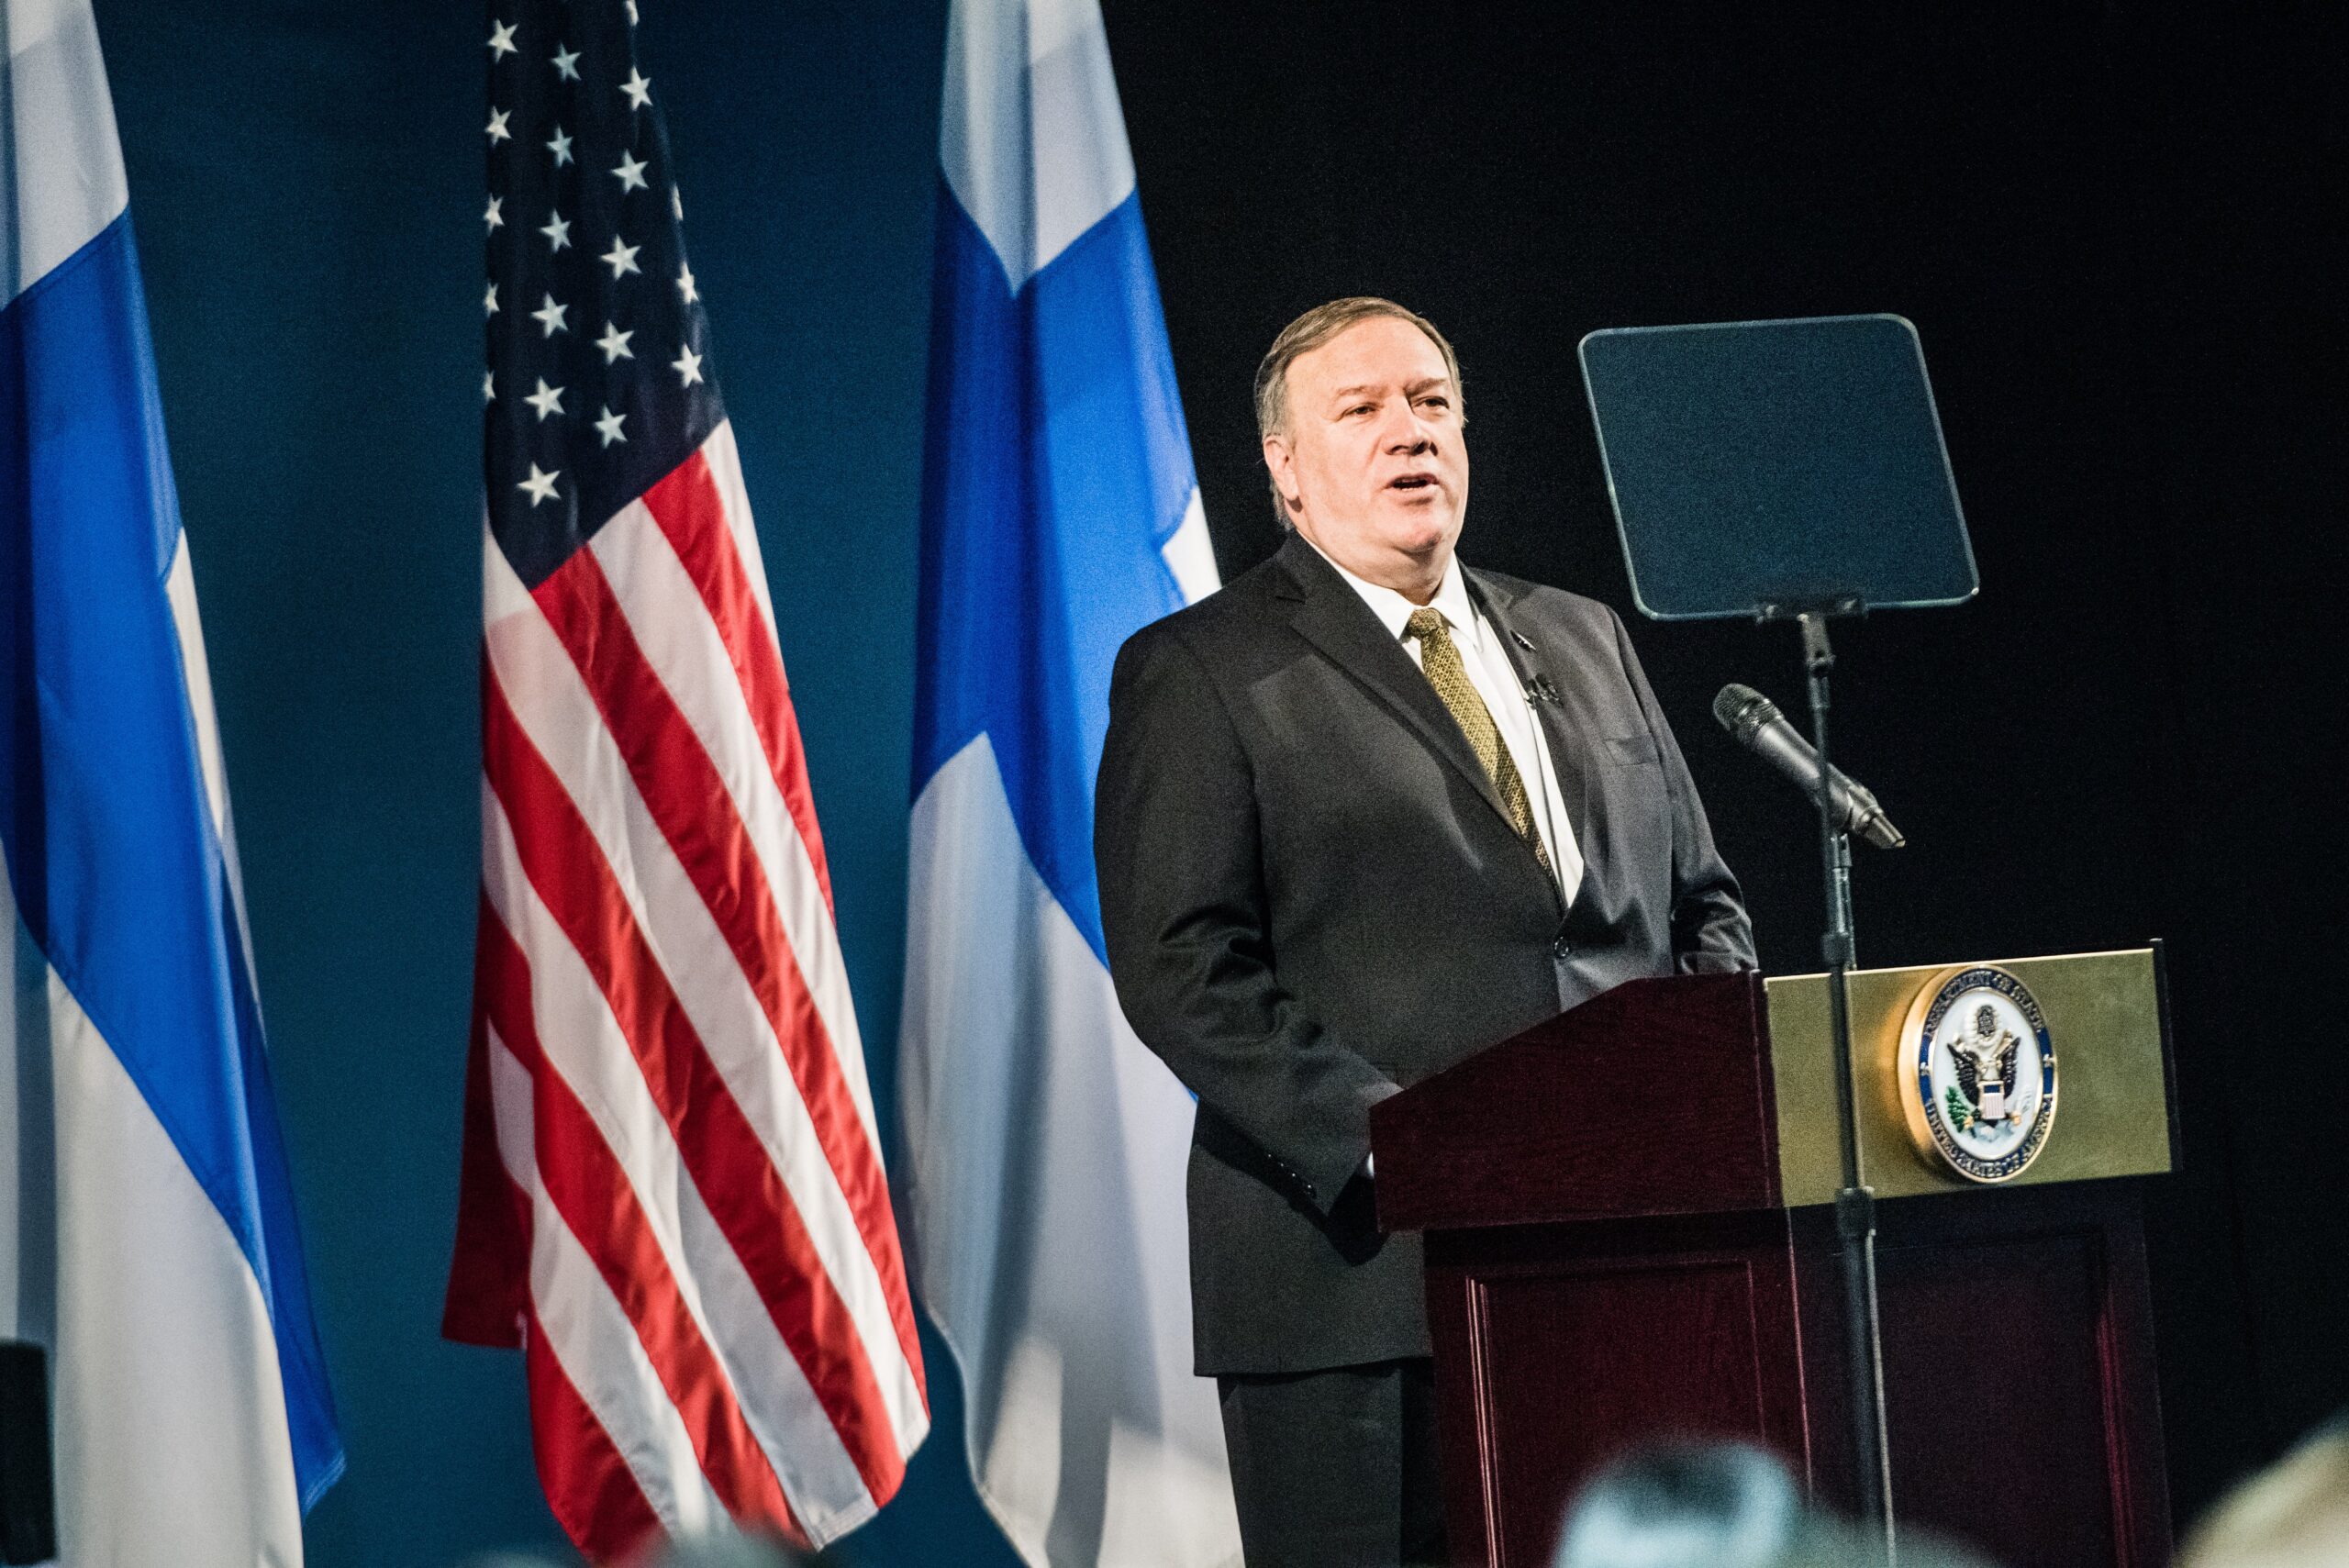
1394,611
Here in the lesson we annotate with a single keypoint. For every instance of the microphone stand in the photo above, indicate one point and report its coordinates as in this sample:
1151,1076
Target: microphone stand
1855,1202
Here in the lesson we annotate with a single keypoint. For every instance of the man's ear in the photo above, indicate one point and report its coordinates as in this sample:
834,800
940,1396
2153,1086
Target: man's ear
1282,464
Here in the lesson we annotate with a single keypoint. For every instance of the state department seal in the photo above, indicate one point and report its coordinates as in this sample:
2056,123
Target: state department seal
1978,1073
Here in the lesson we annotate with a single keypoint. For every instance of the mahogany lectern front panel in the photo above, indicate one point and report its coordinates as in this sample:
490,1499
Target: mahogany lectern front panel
1584,1338
1651,1098
1999,1416
2019,1370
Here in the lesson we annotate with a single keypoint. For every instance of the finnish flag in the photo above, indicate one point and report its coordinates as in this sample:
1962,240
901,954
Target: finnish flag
1044,1146
147,1234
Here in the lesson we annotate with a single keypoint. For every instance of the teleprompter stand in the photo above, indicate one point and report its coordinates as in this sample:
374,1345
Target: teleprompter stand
1792,471
1854,1200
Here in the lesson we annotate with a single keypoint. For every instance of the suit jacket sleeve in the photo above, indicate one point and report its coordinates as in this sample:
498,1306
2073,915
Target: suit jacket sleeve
1711,931
1183,906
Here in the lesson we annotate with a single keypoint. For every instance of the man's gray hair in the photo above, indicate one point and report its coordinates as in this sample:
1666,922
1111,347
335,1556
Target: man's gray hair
1308,332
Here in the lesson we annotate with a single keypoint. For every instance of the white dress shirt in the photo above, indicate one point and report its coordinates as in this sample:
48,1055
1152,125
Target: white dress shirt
1496,681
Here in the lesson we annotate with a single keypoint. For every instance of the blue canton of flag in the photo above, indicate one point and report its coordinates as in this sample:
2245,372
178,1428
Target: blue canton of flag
599,383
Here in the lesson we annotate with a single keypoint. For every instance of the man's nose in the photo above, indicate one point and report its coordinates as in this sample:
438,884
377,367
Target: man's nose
1410,436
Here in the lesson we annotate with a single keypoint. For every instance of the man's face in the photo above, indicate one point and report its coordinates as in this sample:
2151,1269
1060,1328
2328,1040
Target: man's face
1371,465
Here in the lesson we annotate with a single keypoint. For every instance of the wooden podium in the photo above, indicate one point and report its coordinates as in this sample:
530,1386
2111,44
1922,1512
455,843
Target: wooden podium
1630,1236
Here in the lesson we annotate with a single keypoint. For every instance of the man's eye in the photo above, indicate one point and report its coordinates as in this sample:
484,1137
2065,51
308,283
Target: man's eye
1436,402
1359,408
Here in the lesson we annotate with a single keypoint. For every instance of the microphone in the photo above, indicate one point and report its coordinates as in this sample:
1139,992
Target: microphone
1755,722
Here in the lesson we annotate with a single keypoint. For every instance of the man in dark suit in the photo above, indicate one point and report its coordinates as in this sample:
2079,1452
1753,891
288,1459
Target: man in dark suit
1360,814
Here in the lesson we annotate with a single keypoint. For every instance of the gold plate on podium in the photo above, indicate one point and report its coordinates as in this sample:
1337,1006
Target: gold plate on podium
2101,1013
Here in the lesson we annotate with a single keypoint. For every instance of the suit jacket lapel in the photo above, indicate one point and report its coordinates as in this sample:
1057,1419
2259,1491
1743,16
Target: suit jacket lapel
1330,615
1565,723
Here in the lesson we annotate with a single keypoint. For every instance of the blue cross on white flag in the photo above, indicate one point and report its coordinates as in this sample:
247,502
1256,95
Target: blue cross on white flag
148,1239
1045,1146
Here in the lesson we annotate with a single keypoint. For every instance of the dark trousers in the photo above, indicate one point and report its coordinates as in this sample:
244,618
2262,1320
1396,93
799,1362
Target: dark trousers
1336,1467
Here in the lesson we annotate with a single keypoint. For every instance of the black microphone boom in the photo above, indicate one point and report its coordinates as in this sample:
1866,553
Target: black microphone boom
1755,722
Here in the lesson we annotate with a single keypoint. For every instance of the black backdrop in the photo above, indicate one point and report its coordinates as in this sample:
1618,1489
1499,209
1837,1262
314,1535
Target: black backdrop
2115,227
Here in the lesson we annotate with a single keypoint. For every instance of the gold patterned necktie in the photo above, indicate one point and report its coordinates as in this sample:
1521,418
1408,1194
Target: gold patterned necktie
1441,662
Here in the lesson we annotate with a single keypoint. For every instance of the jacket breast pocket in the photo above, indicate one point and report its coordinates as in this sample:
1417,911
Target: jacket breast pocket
1632,751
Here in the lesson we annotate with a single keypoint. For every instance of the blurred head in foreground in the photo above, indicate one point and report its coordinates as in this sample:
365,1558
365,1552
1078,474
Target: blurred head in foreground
2293,1514
1719,1504
726,1550
720,1549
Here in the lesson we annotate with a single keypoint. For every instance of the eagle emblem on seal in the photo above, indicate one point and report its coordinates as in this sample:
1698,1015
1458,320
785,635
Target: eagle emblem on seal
1984,1061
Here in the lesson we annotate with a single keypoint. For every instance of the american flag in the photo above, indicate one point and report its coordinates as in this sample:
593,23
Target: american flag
671,1192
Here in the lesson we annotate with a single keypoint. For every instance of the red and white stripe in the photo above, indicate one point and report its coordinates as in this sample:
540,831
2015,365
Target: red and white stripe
673,1189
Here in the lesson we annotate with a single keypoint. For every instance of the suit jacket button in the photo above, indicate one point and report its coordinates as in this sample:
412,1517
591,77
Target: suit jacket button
1561,948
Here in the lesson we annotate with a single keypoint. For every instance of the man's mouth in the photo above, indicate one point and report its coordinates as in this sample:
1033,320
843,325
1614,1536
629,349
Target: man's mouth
1412,482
